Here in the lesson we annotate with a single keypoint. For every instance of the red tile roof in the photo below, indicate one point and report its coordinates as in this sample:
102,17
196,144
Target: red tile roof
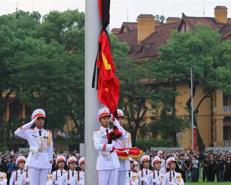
129,26
224,29
149,47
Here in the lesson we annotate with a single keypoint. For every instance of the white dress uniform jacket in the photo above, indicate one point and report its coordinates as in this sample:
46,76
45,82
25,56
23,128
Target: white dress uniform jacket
173,178
3,179
71,177
155,178
41,146
143,174
81,178
19,177
58,177
132,178
107,159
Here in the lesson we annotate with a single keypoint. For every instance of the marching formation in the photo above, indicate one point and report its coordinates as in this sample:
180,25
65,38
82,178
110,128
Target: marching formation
117,162
61,176
140,173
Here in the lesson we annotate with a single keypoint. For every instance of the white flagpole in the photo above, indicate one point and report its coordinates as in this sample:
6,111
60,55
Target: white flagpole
192,114
92,30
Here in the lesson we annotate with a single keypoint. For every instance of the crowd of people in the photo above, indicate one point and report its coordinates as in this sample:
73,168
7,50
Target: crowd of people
210,167
189,166
116,164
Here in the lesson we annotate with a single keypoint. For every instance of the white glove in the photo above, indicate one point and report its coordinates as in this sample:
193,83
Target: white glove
116,123
28,125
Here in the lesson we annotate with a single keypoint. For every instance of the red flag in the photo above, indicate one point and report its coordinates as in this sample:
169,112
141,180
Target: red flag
108,83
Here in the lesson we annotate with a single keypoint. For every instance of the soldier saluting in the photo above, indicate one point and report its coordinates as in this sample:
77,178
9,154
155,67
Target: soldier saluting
39,160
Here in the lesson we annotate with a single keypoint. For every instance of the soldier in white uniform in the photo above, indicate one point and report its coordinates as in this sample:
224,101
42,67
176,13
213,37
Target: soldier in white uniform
20,176
58,176
163,163
172,177
156,177
107,160
145,171
133,174
40,141
3,178
71,175
124,164
81,173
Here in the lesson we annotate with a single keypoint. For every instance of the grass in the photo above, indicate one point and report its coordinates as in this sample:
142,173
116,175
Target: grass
209,183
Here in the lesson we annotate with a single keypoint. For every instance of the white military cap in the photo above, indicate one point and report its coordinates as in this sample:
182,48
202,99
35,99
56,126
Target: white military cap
2,176
71,159
170,160
81,160
38,113
145,158
60,158
20,159
120,113
103,112
156,160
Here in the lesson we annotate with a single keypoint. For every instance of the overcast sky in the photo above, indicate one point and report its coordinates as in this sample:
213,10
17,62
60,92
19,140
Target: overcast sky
122,10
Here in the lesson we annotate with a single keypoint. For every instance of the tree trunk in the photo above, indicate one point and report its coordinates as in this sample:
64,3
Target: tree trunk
200,141
174,113
133,136
174,139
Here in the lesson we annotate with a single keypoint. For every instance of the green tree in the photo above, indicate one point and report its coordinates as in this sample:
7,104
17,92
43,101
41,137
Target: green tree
169,125
160,18
66,27
204,51
13,28
47,73
137,88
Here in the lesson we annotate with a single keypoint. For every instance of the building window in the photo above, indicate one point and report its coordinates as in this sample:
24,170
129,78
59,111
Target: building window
227,132
227,103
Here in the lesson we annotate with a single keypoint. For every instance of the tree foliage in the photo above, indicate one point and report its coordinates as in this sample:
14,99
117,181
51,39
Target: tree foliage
203,50
42,61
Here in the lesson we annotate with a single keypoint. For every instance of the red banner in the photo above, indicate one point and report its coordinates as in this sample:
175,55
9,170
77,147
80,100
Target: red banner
108,84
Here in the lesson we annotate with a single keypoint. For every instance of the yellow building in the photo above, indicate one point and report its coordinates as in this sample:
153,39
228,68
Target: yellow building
145,36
